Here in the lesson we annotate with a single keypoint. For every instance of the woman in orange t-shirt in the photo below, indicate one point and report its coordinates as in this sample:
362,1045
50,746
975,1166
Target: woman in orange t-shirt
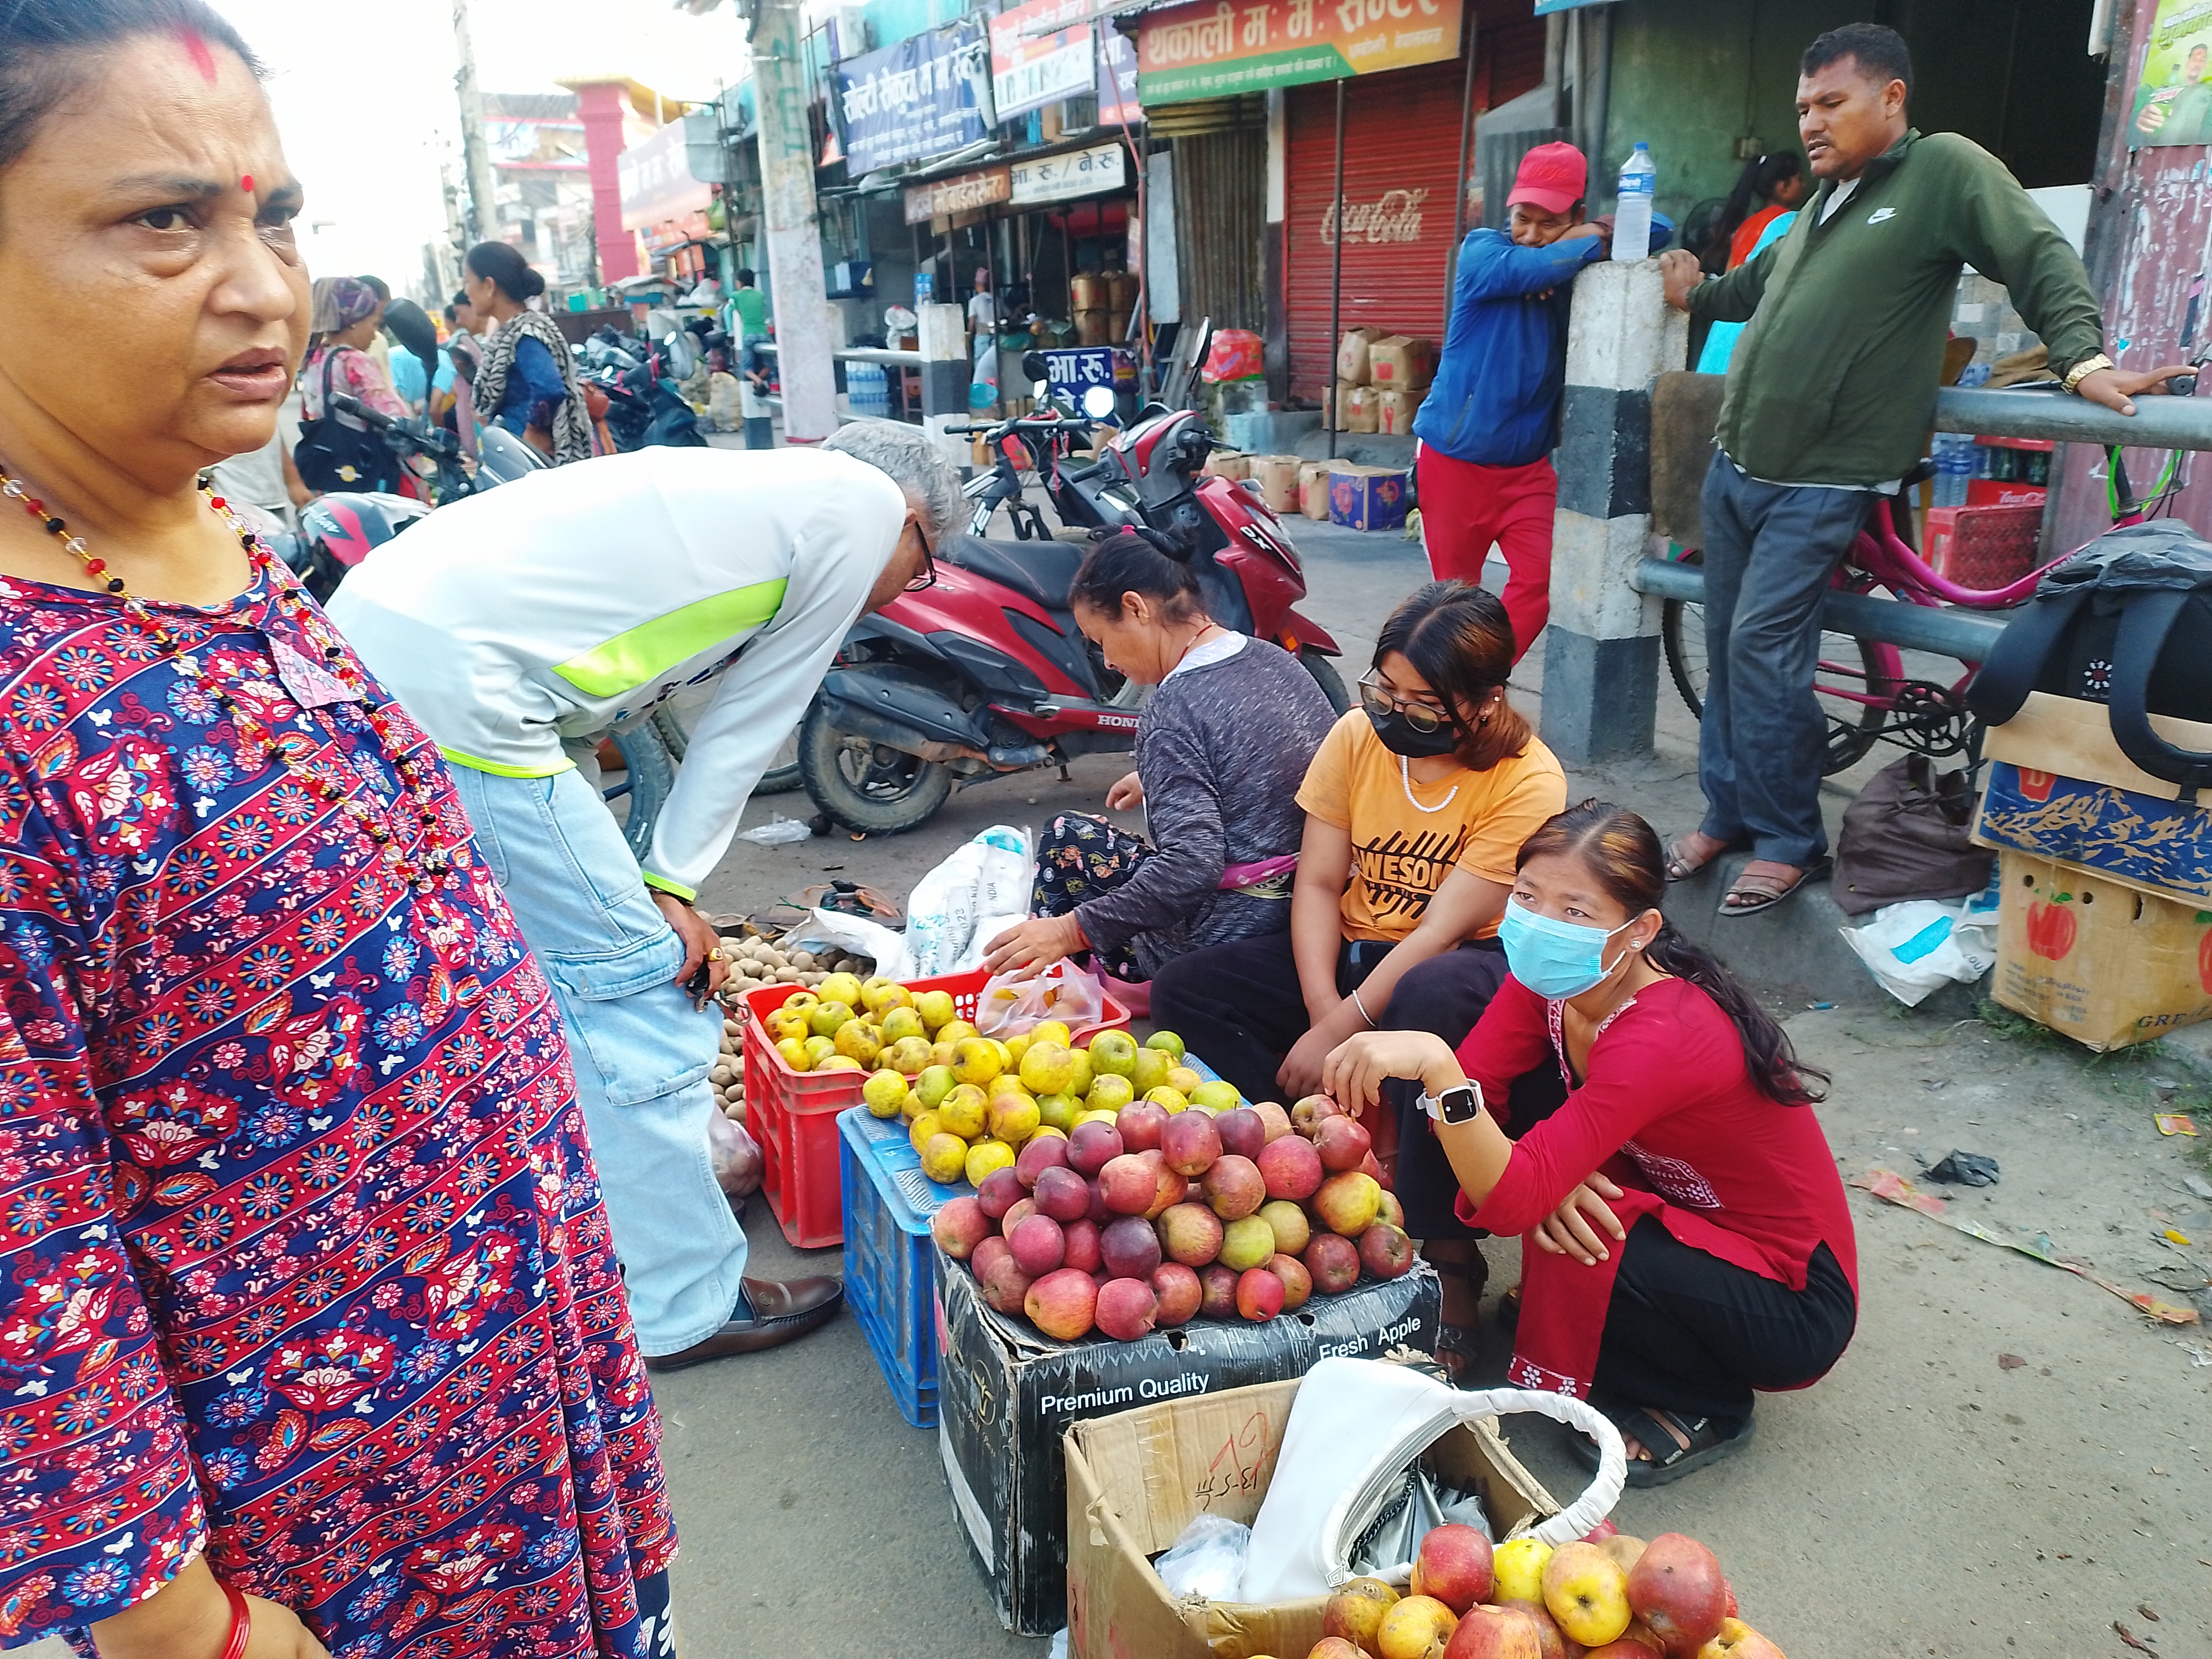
1416,807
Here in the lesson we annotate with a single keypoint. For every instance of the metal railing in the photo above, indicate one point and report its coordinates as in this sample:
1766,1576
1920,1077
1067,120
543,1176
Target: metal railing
2158,422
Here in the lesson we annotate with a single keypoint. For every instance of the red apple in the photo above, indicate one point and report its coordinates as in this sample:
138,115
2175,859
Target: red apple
1235,1187
1335,1647
1388,1208
1552,1642
1243,1131
1369,1166
1190,1234
1259,1294
1005,1288
1334,1261
959,1226
1346,1203
1129,1183
1022,1209
1454,1566
1062,1305
1130,1247
1218,1285
1341,1143
1039,1246
1001,1190
1290,1167
1092,1145
1179,1292
1169,1187
1308,1113
1038,1154
1676,1587
1493,1632
1081,1236
1061,1193
1143,1125
993,1248
1298,1283
1190,1143
1127,1308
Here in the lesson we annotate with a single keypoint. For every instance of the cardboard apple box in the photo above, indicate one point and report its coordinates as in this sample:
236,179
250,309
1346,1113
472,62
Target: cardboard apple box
1228,464
2096,959
1278,478
1352,351
1136,1480
1395,411
1313,488
1401,364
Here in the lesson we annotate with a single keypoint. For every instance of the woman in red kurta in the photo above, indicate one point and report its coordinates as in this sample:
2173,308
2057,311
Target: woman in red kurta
1687,1238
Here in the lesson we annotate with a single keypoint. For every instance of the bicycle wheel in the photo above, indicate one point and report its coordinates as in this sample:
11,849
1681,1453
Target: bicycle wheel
1853,694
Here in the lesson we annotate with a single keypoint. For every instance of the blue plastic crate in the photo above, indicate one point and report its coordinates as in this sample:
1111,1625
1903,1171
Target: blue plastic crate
890,1257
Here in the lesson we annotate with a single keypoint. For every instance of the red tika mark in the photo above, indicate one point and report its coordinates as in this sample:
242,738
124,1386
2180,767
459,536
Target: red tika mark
195,48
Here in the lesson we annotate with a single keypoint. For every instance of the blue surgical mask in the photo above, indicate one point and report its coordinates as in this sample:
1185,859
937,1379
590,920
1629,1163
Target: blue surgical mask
1553,959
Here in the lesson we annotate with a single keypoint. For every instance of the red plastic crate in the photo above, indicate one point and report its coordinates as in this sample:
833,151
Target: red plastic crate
1982,548
793,1115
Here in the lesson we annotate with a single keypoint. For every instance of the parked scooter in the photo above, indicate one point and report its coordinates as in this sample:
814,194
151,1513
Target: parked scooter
643,405
337,531
986,673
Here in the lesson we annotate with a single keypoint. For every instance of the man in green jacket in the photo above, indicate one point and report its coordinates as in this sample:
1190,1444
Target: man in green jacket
1830,396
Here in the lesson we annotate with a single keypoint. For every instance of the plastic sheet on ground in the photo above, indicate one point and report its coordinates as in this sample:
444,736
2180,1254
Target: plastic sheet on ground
1920,945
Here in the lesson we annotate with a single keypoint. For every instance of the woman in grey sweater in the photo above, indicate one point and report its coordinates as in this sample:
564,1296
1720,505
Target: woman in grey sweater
1221,750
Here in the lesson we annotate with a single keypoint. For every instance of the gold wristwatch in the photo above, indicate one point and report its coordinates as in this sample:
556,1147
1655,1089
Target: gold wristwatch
2082,370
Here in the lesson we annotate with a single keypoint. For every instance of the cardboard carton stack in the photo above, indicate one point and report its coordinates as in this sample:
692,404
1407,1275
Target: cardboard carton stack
1380,380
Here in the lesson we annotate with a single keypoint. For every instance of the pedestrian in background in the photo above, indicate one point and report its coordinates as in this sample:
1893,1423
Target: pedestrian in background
527,380
311,1333
748,315
1855,301
1778,180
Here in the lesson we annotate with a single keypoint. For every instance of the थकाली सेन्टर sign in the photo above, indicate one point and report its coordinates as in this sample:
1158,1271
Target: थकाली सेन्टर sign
1213,48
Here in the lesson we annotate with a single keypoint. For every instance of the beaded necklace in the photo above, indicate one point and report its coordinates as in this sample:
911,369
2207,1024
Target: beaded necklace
283,749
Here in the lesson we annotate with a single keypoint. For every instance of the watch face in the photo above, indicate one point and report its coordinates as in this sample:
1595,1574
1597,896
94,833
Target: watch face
1460,1105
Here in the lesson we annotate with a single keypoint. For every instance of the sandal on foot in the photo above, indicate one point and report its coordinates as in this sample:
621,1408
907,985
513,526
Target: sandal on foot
1682,864
1754,890
1458,1348
1693,1443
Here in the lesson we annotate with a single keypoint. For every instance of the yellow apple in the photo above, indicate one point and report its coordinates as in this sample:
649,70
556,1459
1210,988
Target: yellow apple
1587,1592
1518,1567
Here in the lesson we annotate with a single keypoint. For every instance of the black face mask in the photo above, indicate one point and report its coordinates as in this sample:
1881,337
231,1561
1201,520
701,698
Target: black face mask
1399,738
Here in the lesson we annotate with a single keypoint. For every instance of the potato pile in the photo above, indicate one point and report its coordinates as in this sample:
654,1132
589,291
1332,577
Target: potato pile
755,963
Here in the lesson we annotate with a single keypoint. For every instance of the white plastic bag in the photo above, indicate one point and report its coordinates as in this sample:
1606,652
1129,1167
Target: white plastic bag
778,831
1021,1000
862,936
1914,946
983,886
735,1154
1206,1559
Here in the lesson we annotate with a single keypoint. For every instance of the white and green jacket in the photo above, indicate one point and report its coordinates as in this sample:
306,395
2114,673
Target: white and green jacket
516,625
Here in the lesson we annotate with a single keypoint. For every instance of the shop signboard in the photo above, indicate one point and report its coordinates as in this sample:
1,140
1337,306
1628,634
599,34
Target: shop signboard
1118,104
1063,177
2174,92
656,181
1039,53
1212,48
1076,369
963,194
927,95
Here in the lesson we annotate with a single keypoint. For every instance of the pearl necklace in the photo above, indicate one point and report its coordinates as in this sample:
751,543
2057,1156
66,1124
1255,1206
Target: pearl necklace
283,749
1406,783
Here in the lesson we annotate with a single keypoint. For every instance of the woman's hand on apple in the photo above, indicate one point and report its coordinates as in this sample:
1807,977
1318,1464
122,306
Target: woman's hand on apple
1355,1070
1580,1225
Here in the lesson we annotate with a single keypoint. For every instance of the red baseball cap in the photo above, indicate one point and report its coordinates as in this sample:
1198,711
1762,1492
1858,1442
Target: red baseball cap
1553,176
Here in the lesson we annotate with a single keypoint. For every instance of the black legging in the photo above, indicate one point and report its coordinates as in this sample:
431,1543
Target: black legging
1691,1334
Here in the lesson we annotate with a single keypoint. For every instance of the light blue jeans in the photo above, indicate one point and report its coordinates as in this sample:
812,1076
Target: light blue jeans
642,1051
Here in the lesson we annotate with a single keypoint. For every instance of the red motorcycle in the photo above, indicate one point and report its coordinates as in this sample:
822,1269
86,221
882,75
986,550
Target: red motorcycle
986,673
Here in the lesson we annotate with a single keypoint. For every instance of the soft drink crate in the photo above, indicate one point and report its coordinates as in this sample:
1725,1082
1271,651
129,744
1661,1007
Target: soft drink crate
1983,547
793,1115
889,1256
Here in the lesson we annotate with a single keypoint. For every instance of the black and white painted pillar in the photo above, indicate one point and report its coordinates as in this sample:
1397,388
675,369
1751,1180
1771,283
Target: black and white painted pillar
1601,651
946,371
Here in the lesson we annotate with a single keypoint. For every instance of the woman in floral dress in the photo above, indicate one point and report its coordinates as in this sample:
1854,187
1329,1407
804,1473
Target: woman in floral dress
310,1339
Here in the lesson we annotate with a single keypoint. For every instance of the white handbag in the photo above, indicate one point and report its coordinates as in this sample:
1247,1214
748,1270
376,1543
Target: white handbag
1356,1428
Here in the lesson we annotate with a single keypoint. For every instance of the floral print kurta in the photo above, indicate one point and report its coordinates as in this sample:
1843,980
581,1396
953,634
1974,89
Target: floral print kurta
302,1261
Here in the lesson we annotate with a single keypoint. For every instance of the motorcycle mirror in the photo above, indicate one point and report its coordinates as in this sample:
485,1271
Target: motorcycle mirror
1098,403
1033,365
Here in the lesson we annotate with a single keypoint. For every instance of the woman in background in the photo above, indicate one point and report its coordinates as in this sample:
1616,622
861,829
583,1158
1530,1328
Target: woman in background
527,380
1780,180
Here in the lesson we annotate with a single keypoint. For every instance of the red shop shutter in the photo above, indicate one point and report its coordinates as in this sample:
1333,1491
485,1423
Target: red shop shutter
1400,164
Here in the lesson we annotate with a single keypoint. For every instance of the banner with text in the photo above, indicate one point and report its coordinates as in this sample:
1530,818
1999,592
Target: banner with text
1212,48
1063,177
655,180
926,96
964,194
1039,56
1118,105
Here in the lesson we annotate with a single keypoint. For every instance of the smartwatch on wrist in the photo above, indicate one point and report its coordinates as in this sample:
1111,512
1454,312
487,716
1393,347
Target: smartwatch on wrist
1460,1105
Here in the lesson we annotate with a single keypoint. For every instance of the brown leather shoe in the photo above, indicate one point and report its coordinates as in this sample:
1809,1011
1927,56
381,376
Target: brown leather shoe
782,1310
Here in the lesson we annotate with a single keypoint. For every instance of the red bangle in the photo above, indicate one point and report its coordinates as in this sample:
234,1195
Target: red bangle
241,1623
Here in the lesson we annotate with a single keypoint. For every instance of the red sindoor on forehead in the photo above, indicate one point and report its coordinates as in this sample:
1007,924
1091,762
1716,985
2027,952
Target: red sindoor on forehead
195,48
246,183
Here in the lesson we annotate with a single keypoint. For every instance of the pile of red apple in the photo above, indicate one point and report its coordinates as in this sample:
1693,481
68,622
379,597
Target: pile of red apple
1610,1597
1156,1218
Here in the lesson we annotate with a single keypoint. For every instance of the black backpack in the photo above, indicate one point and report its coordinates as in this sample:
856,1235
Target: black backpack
2127,622
332,456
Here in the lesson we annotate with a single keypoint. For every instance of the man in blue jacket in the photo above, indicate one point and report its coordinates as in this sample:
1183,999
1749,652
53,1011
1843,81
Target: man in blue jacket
1492,417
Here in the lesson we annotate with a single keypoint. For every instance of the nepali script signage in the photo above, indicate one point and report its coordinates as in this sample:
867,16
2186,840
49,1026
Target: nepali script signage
655,180
1212,48
1040,53
941,197
929,95
1067,176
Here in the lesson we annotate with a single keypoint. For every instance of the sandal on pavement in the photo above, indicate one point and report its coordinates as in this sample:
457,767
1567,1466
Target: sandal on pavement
1693,1443
1682,864
1754,890
1458,1348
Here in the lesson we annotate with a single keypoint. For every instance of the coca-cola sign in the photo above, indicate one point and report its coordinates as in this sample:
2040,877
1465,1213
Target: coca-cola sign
1394,216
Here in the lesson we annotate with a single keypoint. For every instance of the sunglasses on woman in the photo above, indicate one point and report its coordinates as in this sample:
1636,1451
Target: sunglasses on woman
1423,717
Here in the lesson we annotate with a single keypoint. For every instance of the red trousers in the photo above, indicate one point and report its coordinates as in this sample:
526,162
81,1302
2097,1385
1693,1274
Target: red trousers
1465,508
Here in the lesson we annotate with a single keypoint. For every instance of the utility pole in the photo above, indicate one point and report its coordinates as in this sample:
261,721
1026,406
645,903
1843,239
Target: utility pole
794,245
474,157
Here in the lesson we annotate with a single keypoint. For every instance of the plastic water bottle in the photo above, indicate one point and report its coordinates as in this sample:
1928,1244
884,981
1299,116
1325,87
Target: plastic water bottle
1954,464
1632,219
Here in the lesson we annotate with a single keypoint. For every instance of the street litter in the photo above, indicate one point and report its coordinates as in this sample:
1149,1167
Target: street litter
1895,1188
1914,946
1965,1170
2174,1123
2010,1362
778,831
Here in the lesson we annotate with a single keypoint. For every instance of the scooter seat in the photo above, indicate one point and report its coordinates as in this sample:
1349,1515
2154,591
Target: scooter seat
1042,571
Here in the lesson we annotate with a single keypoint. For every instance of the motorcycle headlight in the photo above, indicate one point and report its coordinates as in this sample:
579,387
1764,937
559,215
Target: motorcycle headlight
1098,403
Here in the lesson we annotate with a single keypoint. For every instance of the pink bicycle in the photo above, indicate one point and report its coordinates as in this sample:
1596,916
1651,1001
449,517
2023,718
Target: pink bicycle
1863,684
